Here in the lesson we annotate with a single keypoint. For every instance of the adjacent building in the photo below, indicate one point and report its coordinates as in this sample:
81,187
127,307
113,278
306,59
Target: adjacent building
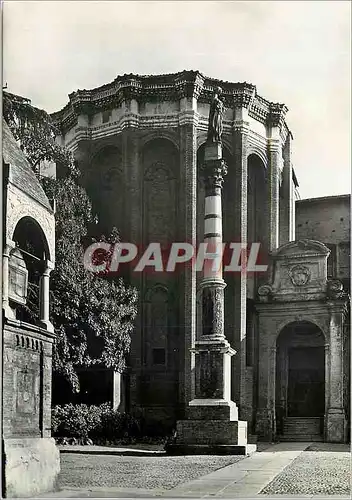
31,461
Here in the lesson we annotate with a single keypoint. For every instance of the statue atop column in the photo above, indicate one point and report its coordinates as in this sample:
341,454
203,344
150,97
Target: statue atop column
216,113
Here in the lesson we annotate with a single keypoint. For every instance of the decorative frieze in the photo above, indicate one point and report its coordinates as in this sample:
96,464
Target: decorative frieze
170,87
276,115
244,95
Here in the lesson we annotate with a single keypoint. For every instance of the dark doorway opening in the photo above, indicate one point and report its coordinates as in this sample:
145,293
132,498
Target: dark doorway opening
306,385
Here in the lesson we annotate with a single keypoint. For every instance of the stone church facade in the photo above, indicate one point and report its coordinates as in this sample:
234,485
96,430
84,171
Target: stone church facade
139,142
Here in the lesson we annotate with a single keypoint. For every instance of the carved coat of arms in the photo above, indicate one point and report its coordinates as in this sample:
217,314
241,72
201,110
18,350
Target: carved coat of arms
300,275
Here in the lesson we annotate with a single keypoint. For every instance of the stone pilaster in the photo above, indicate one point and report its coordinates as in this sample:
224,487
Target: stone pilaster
273,188
265,419
286,222
133,234
189,92
238,336
335,420
274,124
44,297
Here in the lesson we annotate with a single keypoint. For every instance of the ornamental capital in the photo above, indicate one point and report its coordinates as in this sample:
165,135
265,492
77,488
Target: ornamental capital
130,90
244,95
189,84
81,102
213,173
276,115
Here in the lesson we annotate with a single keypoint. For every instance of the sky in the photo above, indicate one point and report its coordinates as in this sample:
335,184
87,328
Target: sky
297,53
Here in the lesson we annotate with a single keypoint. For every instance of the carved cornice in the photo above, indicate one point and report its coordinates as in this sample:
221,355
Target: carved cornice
276,115
170,87
244,96
189,84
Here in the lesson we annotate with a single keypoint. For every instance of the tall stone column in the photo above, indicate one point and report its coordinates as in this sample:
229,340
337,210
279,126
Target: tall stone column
44,297
212,425
212,350
336,424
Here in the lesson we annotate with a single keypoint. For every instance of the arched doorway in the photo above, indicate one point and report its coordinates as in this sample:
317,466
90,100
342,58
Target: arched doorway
31,246
300,381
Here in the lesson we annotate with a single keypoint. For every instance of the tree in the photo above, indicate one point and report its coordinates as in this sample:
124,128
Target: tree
93,315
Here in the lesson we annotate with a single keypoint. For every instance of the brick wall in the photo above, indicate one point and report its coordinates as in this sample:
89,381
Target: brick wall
328,220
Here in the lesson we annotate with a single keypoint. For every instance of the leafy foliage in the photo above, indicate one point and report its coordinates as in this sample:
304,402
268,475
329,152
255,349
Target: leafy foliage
81,423
93,422
93,316
36,132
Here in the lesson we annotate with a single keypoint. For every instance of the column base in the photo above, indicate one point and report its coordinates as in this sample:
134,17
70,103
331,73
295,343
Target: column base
336,426
212,409
208,437
30,466
8,312
47,325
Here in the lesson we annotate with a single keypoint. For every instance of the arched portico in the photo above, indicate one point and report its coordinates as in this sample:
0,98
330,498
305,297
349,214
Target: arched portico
301,319
300,381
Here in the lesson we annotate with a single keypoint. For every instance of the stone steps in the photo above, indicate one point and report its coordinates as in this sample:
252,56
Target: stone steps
302,438
302,429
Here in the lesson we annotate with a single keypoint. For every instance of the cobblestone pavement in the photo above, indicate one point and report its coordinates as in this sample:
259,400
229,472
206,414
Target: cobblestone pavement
146,473
323,469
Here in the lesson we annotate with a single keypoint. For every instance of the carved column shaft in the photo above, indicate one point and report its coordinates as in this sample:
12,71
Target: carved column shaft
44,296
213,170
213,353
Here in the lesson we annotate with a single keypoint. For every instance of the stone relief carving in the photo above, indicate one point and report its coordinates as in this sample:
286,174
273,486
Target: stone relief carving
335,289
300,275
264,292
26,391
159,202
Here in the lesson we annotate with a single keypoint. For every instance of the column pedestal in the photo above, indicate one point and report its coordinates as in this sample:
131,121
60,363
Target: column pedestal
335,426
212,426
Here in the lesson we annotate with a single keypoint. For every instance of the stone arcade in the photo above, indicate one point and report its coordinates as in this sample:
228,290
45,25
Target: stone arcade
140,142
31,460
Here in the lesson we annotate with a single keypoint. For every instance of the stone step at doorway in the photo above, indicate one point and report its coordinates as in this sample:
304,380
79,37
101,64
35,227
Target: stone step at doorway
302,428
302,438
